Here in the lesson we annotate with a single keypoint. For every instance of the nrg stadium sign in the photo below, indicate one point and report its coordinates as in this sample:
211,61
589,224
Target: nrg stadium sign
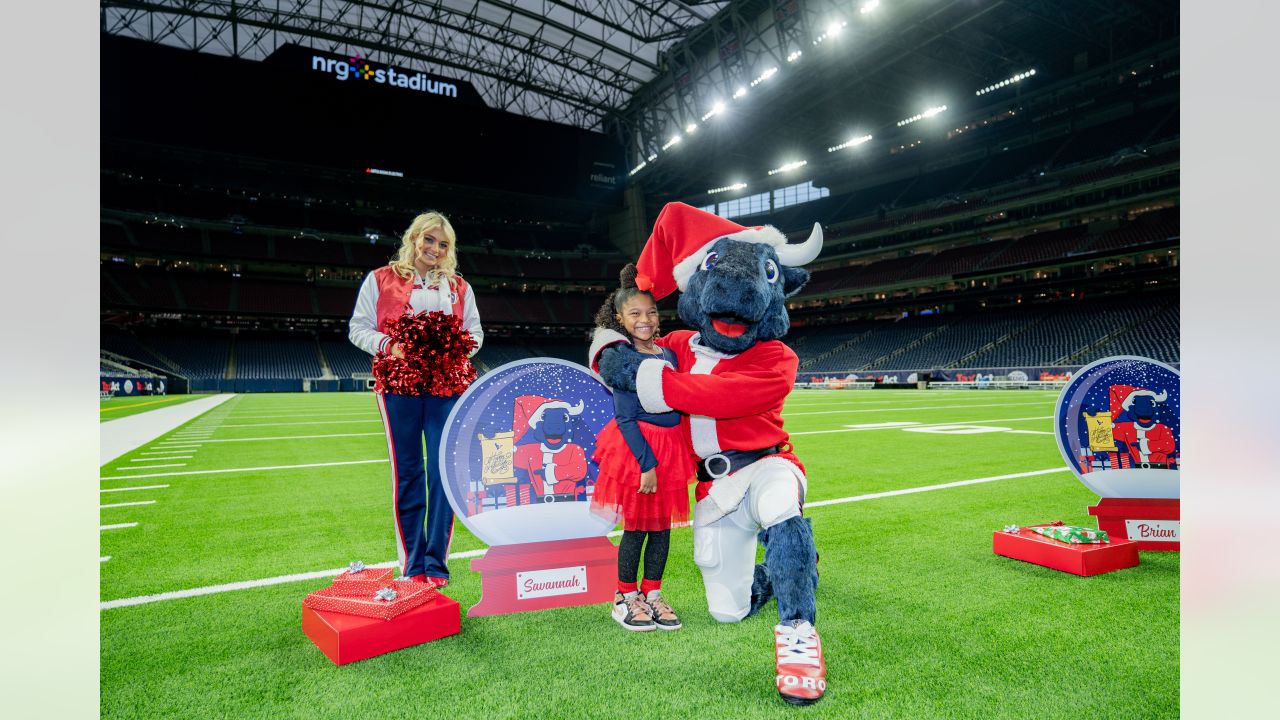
358,68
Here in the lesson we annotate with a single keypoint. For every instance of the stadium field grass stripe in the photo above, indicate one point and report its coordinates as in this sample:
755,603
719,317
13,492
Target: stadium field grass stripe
308,422
916,425
140,487
291,437
915,409
163,457
929,488
245,470
127,504
117,526
149,467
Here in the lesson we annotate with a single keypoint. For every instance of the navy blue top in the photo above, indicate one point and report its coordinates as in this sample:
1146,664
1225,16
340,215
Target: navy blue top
628,411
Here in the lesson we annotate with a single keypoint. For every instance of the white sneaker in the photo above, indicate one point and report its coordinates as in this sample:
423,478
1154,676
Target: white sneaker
632,613
802,672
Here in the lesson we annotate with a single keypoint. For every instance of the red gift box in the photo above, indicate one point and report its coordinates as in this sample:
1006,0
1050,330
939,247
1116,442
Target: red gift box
381,576
1077,559
352,598
347,638
1152,523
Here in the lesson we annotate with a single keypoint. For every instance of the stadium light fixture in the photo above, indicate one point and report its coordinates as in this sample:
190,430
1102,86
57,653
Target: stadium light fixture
869,6
643,164
1006,82
787,167
727,188
926,114
764,76
739,92
833,29
854,142
691,128
794,56
716,109
674,139
652,157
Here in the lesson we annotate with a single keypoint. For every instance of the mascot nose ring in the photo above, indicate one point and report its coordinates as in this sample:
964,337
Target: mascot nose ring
709,467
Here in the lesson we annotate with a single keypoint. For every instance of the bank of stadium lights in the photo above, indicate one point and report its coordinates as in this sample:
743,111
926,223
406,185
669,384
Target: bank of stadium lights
786,167
652,157
854,142
727,188
643,164
765,76
674,139
794,56
715,110
1006,82
691,128
740,92
869,6
926,114
832,30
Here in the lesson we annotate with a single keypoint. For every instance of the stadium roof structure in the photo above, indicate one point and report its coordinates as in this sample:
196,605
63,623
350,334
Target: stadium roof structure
568,62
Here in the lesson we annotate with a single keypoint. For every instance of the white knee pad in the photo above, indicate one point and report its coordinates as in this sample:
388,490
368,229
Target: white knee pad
774,499
725,552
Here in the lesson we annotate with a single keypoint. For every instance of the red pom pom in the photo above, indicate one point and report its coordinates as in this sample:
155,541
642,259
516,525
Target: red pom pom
436,349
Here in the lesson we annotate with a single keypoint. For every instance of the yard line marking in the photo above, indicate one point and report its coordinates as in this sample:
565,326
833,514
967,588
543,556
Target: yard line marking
319,574
149,467
927,407
310,422
104,558
295,437
857,428
140,487
117,526
308,415
126,504
163,457
1030,432
252,469
162,454
170,444
927,488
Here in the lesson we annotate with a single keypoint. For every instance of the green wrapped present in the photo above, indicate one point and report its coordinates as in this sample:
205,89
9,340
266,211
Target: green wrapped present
1072,534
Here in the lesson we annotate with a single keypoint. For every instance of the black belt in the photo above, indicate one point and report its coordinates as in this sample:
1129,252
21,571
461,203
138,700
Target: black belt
1152,466
558,497
728,462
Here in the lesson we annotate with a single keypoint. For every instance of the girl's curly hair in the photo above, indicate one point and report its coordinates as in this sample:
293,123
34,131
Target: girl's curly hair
607,315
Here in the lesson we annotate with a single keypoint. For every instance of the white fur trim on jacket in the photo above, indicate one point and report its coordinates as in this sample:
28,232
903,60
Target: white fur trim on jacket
766,234
649,385
601,338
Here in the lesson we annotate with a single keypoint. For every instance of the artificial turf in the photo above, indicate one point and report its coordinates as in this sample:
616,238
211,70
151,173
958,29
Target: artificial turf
918,618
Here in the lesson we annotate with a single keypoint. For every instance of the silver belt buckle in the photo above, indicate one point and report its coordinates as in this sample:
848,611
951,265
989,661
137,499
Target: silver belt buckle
706,465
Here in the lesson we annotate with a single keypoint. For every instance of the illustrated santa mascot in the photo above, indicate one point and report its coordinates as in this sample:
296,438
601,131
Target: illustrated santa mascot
1150,443
734,376
546,458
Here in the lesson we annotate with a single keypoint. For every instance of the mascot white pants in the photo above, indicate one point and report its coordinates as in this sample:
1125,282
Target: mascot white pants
726,523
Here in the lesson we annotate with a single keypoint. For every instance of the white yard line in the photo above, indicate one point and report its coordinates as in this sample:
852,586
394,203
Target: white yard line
148,467
901,425
237,470
127,504
912,409
318,574
117,526
104,558
161,452
140,487
126,434
238,416
171,444
163,457
309,422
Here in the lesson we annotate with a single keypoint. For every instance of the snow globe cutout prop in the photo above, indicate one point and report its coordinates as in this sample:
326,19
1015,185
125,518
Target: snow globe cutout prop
516,463
1118,426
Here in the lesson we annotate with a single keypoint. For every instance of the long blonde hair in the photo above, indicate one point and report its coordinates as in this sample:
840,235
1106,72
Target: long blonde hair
447,267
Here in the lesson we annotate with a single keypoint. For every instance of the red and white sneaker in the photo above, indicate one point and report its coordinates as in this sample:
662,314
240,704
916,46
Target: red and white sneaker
802,673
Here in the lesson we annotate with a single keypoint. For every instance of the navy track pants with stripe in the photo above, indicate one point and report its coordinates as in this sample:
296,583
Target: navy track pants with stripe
418,490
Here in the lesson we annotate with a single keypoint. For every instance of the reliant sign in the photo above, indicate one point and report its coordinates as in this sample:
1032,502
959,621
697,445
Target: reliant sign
358,68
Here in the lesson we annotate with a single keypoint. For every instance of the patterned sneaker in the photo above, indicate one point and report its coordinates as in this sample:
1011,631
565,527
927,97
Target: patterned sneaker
632,613
663,616
802,673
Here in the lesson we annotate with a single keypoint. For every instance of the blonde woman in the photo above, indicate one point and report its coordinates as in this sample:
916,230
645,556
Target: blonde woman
422,278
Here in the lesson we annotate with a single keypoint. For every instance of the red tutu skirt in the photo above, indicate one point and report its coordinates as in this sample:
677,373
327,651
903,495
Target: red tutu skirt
617,488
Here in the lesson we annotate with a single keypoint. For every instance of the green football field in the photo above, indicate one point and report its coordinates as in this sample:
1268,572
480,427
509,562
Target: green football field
118,407
919,619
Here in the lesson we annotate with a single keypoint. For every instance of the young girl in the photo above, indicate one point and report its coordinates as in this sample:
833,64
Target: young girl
646,467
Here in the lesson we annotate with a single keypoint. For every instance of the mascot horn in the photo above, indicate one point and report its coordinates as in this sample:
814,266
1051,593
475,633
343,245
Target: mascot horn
734,376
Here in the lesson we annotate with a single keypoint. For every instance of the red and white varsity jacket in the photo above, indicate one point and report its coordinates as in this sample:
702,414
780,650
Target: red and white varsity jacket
734,402
385,296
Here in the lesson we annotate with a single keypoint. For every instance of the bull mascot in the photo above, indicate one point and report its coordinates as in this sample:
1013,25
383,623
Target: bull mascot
547,461
735,374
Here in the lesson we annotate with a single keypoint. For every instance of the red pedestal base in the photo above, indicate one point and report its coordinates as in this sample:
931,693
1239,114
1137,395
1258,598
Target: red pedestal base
1091,559
1153,524
347,638
545,575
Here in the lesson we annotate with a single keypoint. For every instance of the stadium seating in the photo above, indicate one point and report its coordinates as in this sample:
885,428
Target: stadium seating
267,357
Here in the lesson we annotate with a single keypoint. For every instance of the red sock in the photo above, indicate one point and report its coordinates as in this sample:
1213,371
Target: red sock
626,587
646,585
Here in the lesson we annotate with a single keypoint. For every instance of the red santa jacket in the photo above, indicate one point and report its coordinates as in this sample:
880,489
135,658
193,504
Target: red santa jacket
568,463
1150,445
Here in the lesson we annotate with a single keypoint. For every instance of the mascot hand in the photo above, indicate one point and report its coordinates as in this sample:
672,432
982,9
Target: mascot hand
619,363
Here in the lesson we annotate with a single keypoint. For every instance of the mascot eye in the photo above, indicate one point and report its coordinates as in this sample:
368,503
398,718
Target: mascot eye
771,271
709,260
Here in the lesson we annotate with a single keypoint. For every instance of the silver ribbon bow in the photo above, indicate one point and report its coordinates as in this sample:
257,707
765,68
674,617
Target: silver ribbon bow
385,594
355,567
1012,529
